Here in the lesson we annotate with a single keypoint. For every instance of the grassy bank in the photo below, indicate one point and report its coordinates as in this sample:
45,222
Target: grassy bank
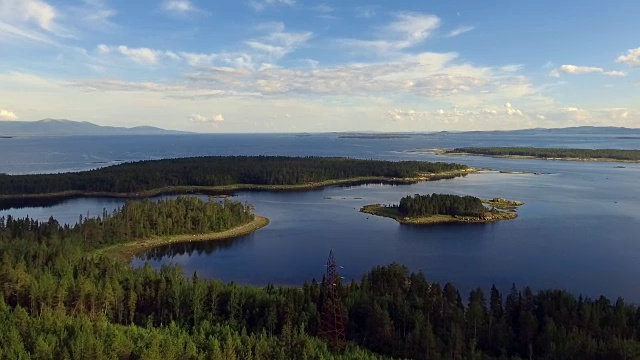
126,251
241,187
393,213
503,204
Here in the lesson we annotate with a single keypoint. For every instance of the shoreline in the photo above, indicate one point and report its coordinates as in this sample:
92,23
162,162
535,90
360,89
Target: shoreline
505,210
126,251
445,152
224,189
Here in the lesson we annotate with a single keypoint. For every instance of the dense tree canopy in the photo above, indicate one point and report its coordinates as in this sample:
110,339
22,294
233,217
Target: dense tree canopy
57,301
216,171
632,155
441,204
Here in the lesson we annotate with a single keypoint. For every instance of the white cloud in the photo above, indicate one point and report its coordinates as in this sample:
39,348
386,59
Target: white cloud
615,73
35,11
141,56
274,44
412,28
277,43
460,30
510,110
577,70
632,58
206,119
574,70
326,109
7,115
198,59
33,20
407,30
179,7
93,14
39,21
8,31
598,117
259,5
103,49
118,85
423,77
494,117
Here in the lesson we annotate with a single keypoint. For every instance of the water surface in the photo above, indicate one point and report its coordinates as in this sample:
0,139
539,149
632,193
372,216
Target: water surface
578,229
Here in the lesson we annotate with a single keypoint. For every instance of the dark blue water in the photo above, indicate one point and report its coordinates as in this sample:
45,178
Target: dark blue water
578,230
24,155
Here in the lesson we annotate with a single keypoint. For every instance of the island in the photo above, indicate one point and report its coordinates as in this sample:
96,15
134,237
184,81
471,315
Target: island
141,225
602,155
375,136
222,174
445,208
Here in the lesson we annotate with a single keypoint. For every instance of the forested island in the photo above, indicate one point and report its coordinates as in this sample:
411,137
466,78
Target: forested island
550,154
217,174
59,299
141,225
445,208
375,136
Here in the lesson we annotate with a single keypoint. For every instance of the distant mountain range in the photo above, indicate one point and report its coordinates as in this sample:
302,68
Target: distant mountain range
579,130
61,127
56,127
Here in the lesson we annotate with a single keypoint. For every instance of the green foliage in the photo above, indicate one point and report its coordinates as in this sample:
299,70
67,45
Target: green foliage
631,155
441,204
216,171
135,220
58,303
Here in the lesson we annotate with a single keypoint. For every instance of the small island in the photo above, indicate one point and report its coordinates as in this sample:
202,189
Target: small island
600,155
141,225
375,136
445,208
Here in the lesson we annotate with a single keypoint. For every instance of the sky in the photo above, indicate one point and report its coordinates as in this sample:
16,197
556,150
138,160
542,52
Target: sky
318,66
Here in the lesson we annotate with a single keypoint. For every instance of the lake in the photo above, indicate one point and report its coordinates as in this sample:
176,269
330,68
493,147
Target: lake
578,229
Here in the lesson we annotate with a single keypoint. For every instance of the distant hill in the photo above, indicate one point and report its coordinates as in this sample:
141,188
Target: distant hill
55,127
620,132
578,130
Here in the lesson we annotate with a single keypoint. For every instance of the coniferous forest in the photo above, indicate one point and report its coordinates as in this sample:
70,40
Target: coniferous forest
216,171
441,204
61,301
616,154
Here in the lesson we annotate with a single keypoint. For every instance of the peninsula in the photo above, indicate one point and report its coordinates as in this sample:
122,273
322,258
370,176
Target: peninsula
445,208
220,174
142,225
601,155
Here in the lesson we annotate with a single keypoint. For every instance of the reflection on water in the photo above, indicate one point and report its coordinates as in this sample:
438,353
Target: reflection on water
198,248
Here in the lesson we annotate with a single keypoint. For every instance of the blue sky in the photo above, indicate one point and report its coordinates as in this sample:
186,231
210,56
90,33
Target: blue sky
294,65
